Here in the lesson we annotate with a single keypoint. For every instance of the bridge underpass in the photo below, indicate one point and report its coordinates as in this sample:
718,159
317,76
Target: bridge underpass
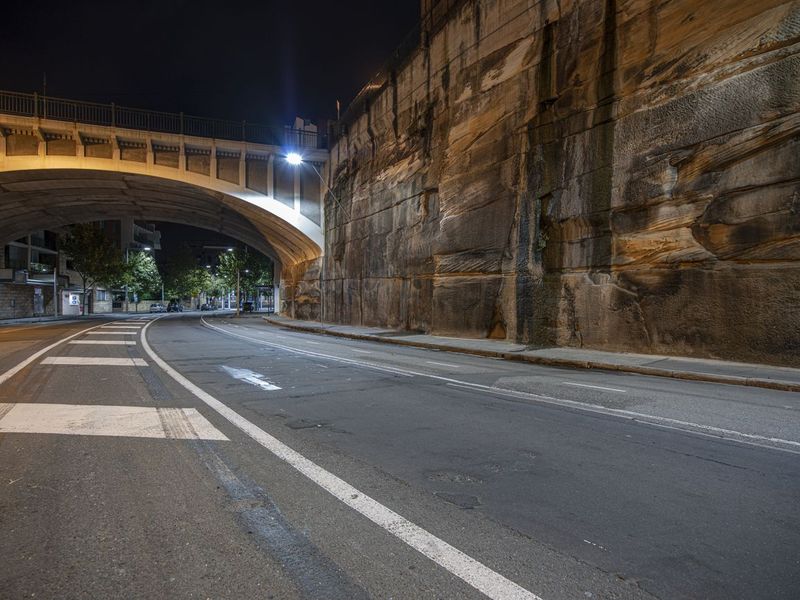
56,172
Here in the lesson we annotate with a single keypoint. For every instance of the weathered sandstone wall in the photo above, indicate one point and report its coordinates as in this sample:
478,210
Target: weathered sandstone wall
613,174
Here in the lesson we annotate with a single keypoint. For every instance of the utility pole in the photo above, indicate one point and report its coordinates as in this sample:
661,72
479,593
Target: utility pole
126,281
55,288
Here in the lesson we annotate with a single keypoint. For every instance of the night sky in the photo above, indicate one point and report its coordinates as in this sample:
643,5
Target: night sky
263,61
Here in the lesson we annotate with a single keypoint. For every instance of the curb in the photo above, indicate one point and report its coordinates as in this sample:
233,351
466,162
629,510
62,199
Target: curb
769,384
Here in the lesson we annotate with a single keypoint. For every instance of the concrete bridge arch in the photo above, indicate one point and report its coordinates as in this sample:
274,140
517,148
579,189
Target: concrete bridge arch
55,173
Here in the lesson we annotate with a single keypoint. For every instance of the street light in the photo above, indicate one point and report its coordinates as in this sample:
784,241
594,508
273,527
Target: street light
295,159
238,289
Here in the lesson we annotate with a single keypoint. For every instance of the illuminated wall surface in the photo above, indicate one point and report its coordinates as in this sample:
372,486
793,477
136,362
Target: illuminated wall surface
620,175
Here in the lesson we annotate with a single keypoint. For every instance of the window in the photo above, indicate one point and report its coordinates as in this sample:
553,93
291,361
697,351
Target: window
102,295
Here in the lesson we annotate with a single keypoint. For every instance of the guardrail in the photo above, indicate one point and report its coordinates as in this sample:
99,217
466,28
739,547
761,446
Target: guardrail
112,115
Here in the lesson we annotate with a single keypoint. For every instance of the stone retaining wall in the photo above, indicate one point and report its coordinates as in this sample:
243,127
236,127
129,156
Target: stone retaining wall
612,174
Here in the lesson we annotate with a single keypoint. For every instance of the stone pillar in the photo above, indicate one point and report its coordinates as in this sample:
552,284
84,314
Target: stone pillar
149,153
276,286
80,149
213,161
296,189
42,148
271,176
115,153
243,167
182,155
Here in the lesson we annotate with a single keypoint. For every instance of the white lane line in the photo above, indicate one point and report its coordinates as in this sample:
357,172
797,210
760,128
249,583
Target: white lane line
433,362
14,370
312,342
117,421
251,377
349,361
685,426
135,327
105,342
94,361
476,574
361,351
596,387
112,333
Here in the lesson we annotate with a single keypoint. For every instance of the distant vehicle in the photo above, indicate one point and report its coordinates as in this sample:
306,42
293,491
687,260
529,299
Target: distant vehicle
206,306
174,306
247,307
157,307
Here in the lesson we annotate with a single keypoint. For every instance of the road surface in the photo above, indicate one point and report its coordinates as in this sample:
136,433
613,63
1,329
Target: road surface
214,457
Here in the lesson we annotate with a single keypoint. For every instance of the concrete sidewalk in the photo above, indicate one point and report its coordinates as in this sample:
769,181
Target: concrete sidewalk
698,369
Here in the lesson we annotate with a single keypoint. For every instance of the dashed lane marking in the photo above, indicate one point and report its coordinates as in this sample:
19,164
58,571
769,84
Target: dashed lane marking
112,333
433,362
116,421
475,573
94,361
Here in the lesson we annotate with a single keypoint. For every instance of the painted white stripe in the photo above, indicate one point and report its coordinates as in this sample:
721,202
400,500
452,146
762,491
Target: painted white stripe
251,377
94,361
112,333
596,387
433,362
341,359
311,342
118,421
685,426
476,574
14,370
129,327
105,342
361,351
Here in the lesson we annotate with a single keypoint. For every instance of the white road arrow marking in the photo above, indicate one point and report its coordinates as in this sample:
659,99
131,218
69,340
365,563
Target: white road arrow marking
251,377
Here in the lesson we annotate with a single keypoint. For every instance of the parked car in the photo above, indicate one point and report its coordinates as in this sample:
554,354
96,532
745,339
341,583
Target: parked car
174,306
206,306
247,307
157,307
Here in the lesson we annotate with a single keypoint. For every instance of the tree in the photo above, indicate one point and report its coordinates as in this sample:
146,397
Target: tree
94,257
183,277
252,269
141,275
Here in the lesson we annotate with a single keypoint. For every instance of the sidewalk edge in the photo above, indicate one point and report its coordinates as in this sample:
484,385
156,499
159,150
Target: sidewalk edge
784,386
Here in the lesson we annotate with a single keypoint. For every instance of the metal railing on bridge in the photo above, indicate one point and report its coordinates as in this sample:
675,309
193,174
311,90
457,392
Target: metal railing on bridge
111,115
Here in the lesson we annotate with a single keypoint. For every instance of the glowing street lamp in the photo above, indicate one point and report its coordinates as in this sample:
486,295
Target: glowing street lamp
293,158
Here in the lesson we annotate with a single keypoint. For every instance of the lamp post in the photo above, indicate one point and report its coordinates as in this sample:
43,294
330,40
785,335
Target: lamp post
295,159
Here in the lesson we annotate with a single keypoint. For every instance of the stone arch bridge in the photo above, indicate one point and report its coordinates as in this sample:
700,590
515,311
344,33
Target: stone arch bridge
63,162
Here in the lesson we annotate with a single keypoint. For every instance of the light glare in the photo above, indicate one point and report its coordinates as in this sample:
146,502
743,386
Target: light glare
293,158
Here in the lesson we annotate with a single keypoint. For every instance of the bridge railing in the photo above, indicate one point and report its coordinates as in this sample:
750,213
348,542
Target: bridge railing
112,115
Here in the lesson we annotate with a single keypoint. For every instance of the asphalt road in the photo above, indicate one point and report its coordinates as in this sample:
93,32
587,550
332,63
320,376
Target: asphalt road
225,458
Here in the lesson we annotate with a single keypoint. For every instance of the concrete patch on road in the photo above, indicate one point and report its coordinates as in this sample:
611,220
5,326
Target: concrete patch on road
115,421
